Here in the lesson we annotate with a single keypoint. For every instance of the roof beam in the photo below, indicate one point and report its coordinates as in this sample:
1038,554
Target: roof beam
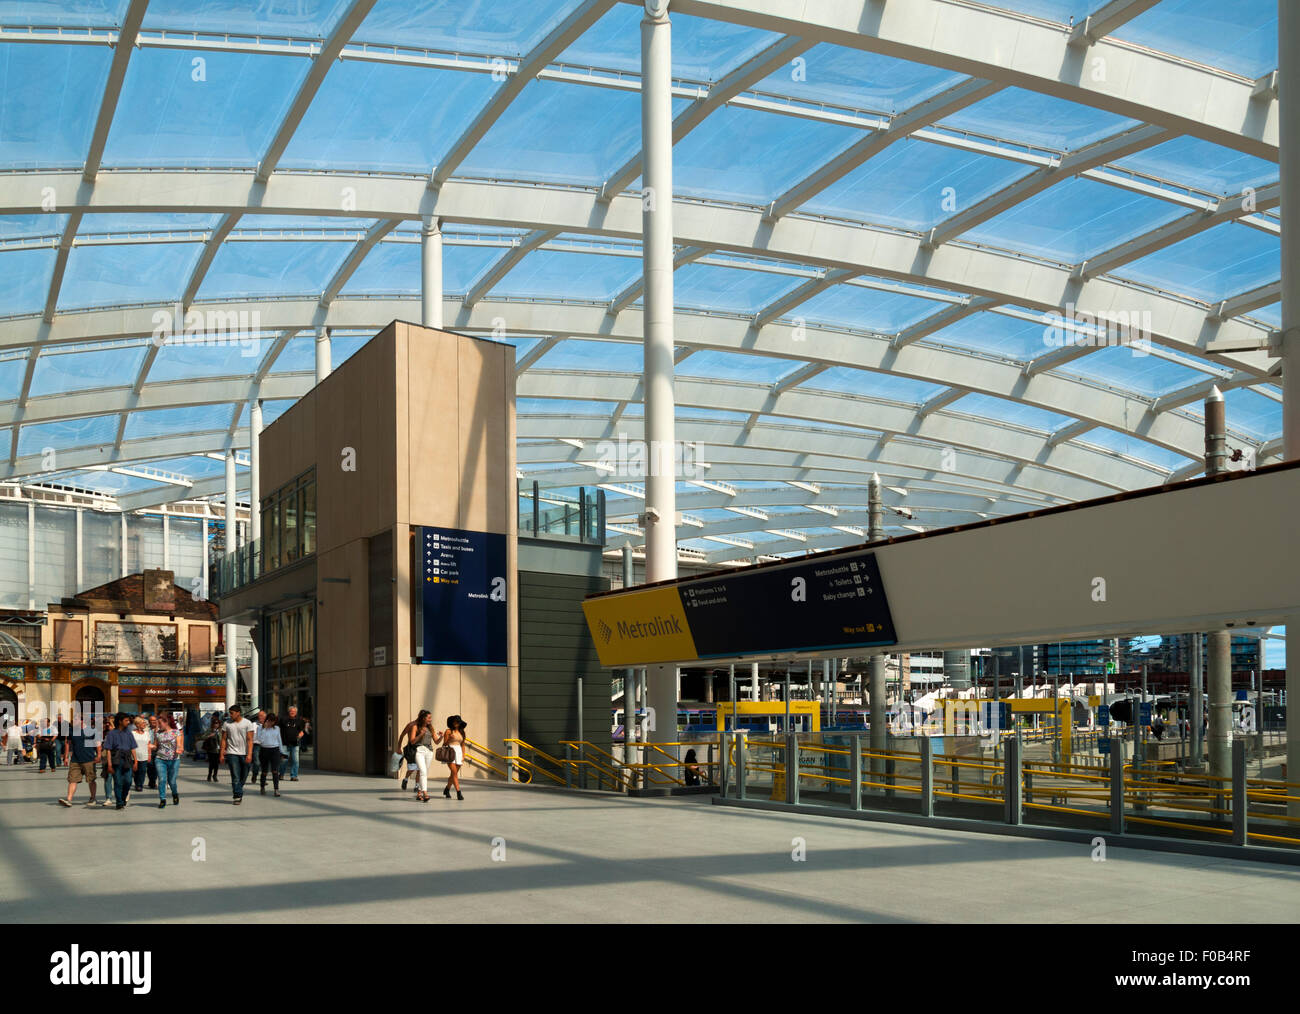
61,265
747,74
1245,302
1024,52
535,353
908,122
1107,19
359,252
1197,392
783,305
113,86
320,66
796,378
555,43
940,400
1069,431
503,264
938,321
210,248
1057,357
1094,155
1229,210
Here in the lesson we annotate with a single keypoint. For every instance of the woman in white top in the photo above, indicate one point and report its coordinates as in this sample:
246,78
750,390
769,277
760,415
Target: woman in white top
268,744
453,741
143,748
13,743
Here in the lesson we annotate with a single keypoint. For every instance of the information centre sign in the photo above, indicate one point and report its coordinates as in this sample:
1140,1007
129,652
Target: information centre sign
827,604
461,601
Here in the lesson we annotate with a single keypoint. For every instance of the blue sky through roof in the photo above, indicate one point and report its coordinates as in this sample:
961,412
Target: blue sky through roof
191,108
1036,119
238,357
858,79
1212,265
887,386
166,422
24,280
49,98
20,226
1191,161
95,13
909,183
599,357
1075,220
62,370
1128,369
995,334
504,28
729,290
1240,36
64,434
394,268
300,19
859,307
1001,410
561,274
134,273
271,268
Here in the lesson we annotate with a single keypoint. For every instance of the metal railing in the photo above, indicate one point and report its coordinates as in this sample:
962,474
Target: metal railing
556,514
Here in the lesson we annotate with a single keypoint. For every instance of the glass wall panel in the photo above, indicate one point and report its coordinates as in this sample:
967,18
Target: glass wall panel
13,551
101,548
309,517
290,534
186,548
144,543
56,555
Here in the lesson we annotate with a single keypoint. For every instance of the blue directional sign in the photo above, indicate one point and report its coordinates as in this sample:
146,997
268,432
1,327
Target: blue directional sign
1003,715
1103,714
1144,713
1103,745
462,597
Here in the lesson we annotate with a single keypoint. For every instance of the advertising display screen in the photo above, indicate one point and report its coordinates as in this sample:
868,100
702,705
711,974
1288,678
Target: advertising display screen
461,600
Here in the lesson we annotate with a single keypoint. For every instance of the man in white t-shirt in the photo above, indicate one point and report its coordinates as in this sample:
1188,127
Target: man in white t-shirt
237,749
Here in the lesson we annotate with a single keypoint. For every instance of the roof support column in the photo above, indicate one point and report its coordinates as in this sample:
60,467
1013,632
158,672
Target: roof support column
876,665
431,272
657,269
254,528
1218,643
322,353
1288,56
232,673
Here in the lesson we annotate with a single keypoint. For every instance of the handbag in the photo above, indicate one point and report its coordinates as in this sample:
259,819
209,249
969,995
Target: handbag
444,754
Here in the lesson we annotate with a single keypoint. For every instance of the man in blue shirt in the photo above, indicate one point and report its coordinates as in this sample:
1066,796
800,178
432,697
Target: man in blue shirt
120,745
81,755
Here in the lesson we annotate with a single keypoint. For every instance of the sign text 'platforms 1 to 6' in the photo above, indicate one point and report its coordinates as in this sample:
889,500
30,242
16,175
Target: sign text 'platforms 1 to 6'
835,603
462,598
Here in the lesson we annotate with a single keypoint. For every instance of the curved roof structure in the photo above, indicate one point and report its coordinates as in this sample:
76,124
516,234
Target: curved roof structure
908,237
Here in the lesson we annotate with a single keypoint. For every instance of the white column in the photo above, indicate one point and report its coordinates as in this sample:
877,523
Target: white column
322,353
1218,643
657,269
232,671
31,555
431,272
753,681
1288,91
876,665
254,524
125,562
167,547
203,568
81,552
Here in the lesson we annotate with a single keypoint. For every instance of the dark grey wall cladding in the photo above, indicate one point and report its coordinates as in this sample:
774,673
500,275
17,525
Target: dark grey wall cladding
555,648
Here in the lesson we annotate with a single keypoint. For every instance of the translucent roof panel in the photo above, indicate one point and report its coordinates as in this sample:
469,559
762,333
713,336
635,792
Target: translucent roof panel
166,422
311,19
885,386
45,125
1075,220
1033,118
64,369
1015,413
619,357
238,356
996,334
135,273
744,155
1130,369
1212,265
561,406
561,133
703,50
299,355
92,13
1133,447
734,366
195,466
728,290
859,307
1240,37
200,108
508,28
1061,11
24,226
65,434
138,222
386,118
1251,413
12,371
1202,164
394,268
560,274
914,185
857,79
261,269
271,411
25,280
1271,314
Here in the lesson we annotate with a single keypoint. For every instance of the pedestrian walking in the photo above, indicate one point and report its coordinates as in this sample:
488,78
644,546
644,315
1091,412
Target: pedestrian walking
212,748
418,752
81,755
258,719
151,771
143,749
169,746
452,753
237,750
124,755
268,745
13,744
292,729
45,737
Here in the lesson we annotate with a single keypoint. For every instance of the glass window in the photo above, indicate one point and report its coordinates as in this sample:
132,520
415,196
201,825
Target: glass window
271,535
309,517
289,531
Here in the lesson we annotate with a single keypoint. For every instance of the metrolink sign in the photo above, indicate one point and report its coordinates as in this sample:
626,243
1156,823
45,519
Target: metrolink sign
1134,563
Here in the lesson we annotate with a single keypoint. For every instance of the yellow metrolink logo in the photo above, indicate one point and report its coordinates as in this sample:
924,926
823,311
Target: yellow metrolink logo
641,627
